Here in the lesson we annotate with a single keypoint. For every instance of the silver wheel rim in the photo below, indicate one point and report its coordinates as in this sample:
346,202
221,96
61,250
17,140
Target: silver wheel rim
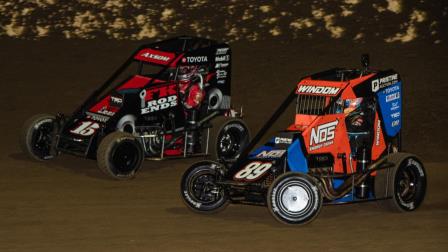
295,199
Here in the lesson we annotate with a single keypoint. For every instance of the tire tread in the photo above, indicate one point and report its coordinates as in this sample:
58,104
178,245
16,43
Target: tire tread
384,187
217,125
26,133
104,150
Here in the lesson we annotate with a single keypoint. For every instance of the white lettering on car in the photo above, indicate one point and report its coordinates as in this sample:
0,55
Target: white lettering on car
252,171
305,89
86,128
323,135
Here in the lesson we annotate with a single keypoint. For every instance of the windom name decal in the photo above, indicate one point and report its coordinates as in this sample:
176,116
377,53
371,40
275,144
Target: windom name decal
305,89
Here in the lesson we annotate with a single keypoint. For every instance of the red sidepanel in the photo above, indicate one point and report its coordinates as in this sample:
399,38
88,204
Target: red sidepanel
136,81
103,107
176,149
160,91
154,56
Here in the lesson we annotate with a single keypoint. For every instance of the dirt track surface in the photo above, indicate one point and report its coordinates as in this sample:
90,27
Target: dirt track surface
68,205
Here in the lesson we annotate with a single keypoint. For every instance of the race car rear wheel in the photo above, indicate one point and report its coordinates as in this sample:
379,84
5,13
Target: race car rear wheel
199,190
228,138
120,155
37,137
403,186
294,198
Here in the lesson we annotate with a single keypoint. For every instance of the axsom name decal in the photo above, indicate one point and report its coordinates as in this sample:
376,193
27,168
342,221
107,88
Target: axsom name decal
155,56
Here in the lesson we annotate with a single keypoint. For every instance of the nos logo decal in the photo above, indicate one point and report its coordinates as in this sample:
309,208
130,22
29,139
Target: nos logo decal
323,135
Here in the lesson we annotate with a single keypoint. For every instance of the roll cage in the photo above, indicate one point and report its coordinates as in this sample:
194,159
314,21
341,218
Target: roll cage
175,46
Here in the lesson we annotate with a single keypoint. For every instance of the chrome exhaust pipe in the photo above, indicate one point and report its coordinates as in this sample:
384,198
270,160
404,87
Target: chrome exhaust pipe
354,180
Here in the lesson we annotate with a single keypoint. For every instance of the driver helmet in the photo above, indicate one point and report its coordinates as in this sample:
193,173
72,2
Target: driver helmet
351,105
186,73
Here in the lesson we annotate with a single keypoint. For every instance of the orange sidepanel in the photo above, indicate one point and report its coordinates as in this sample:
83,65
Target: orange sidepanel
328,134
379,143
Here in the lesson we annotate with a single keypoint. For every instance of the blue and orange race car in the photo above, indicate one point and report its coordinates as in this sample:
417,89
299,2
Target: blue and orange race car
344,146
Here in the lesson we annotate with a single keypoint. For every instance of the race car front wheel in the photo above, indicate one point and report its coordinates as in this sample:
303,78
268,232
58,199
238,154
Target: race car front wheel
294,198
37,137
199,190
403,187
120,155
228,138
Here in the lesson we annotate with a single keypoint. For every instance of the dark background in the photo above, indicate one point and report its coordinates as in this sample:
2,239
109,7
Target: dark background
62,50
56,75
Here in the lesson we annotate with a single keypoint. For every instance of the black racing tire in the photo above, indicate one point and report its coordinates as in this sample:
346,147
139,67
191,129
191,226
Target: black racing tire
199,190
36,138
228,138
120,155
294,198
403,186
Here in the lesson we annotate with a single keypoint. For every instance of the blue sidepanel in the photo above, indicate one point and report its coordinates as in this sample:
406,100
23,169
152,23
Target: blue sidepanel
344,199
390,106
296,159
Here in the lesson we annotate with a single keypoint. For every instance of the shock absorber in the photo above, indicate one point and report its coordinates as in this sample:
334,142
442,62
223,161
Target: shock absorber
363,160
191,136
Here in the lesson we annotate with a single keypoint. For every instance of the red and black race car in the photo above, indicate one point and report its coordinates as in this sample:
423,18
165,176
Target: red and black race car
169,99
343,146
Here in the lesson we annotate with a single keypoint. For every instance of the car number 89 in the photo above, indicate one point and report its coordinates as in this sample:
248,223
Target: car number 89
253,171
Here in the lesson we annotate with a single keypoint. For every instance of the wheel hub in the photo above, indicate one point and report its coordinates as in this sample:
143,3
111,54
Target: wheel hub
41,141
125,158
205,188
407,185
226,143
295,199
229,145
